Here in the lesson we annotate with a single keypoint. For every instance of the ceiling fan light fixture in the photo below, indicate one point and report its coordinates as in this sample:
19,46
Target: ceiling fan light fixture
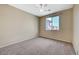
43,7
41,10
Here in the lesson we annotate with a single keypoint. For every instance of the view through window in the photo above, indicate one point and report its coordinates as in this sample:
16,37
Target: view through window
52,23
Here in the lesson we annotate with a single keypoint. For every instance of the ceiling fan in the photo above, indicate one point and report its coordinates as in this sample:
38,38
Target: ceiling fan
43,7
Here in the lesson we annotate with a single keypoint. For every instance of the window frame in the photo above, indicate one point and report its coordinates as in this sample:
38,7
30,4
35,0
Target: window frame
49,17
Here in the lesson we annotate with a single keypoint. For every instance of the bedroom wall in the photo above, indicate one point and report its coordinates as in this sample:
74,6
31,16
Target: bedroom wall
16,25
66,27
76,28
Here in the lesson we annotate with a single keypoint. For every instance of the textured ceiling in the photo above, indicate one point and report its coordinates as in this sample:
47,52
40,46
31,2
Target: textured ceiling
34,9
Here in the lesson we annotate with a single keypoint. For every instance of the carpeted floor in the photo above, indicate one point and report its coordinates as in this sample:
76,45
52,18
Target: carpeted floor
38,46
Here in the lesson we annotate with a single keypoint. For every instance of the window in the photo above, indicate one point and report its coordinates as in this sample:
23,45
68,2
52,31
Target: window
52,23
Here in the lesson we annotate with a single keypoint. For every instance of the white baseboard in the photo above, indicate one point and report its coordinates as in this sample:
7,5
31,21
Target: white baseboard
14,42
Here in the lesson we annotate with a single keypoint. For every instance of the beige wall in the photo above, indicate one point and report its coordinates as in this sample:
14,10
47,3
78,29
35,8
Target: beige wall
16,25
66,27
76,28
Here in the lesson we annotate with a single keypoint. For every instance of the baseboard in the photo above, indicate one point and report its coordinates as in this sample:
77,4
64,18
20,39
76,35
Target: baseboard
56,40
14,42
76,51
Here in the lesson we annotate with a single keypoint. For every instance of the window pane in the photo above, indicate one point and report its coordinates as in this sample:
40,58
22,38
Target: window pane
48,24
55,23
52,23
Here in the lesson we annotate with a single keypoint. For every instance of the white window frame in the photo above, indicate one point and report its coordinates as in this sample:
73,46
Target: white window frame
51,26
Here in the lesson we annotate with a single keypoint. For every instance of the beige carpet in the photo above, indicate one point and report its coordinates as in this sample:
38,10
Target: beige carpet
38,46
